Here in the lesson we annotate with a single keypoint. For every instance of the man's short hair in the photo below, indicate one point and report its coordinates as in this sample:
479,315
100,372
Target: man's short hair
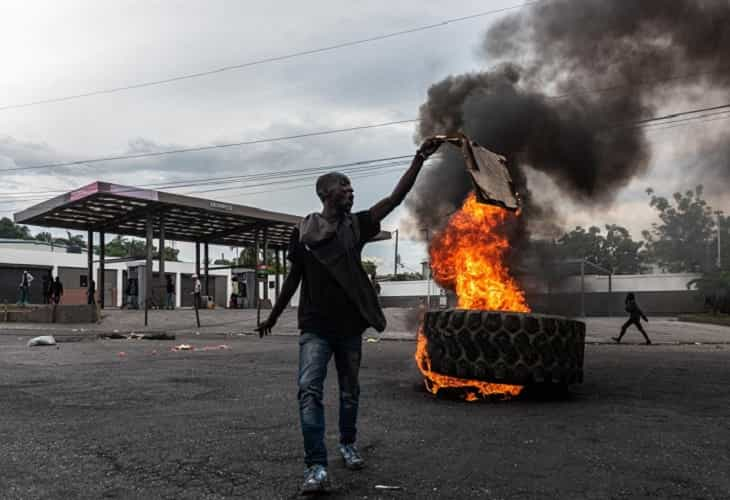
325,183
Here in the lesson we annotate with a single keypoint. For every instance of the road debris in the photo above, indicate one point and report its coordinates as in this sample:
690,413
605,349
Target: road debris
213,347
388,487
42,340
188,347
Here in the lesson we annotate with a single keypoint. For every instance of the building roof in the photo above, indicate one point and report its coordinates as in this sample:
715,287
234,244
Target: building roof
118,209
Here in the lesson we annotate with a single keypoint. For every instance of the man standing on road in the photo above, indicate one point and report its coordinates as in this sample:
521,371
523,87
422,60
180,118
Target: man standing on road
337,303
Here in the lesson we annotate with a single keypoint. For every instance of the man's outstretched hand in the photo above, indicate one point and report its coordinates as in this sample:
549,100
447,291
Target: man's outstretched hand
430,146
266,327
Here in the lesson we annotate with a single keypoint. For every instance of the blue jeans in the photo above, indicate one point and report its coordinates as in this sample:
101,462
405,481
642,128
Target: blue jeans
315,351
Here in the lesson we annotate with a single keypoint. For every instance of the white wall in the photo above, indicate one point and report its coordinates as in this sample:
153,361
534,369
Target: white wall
593,283
407,288
631,282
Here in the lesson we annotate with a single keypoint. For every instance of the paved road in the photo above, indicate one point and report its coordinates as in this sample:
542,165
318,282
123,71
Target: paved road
83,421
402,324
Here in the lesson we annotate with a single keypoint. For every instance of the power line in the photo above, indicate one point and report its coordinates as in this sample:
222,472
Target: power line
257,62
268,178
681,113
684,123
701,117
640,122
236,178
135,156
647,123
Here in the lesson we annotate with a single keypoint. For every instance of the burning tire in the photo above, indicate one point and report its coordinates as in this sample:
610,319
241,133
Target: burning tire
505,347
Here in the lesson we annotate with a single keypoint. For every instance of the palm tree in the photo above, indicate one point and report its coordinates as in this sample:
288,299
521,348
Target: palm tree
715,286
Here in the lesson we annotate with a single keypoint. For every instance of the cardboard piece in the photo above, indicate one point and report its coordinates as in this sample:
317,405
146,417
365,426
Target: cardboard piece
488,170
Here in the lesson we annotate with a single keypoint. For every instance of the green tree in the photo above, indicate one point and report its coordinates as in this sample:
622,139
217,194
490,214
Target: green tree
247,258
616,251
623,255
582,244
681,240
370,267
715,286
44,236
120,246
9,229
72,240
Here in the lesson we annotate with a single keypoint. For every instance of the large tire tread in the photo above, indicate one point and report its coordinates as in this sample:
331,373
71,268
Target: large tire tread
505,347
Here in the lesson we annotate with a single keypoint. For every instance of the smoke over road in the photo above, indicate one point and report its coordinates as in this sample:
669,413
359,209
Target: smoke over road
569,78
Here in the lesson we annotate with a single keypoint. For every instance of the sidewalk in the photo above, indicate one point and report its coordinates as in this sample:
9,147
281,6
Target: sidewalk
402,325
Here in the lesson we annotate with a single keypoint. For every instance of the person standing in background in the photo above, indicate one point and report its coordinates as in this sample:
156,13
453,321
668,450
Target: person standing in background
47,288
91,292
56,291
170,289
24,287
197,288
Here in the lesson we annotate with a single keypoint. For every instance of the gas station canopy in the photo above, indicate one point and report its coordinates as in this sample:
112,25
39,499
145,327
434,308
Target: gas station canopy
118,209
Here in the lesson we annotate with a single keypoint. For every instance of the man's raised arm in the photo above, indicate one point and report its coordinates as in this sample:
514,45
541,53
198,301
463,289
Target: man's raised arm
287,292
381,209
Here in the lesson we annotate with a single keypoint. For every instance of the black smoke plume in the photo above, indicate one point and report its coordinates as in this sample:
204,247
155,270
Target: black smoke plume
571,77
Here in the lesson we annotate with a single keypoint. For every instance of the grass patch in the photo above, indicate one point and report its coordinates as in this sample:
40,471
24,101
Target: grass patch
714,319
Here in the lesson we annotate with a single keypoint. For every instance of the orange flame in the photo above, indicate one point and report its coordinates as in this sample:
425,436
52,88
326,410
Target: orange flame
467,257
473,389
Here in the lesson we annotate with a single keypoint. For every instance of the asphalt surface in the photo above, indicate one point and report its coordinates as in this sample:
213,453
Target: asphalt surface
132,419
402,325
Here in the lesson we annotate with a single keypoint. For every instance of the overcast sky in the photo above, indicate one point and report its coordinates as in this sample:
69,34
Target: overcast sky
51,49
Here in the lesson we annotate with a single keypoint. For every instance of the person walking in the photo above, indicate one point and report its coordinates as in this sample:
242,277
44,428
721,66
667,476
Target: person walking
56,291
25,280
635,315
337,303
170,289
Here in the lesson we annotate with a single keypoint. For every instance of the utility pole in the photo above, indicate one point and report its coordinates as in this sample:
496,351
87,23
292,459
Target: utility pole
395,257
428,239
718,213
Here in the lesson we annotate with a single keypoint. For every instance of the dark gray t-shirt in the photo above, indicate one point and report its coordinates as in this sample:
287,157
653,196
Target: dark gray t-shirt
332,302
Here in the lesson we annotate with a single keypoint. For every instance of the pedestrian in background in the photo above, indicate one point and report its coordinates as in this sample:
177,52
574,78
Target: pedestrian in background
91,293
197,288
234,293
170,289
46,288
56,290
635,316
25,280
